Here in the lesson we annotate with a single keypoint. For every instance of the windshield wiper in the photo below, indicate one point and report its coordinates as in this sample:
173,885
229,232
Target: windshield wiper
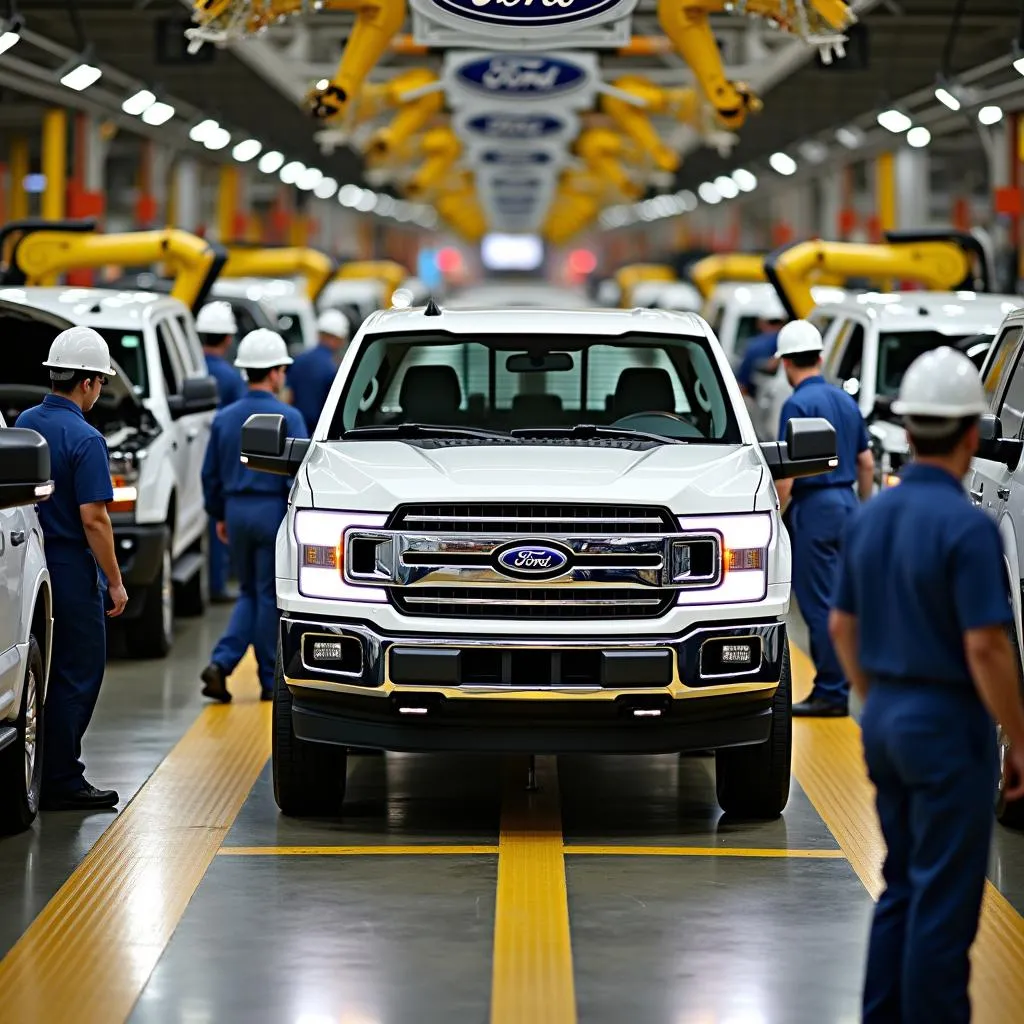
590,431
401,430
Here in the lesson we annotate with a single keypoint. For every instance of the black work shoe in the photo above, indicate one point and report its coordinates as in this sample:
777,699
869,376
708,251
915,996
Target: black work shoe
266,694
215,683
815,707
88,799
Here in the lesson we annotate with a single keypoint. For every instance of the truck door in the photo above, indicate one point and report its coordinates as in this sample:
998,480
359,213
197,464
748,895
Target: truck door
13,537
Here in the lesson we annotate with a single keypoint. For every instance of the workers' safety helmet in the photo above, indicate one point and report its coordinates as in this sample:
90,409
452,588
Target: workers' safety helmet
216,318
262,349
944,387
78,348
798,337
334,322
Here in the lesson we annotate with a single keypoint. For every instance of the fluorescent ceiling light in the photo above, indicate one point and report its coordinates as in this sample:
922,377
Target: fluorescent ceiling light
851,138
270,162
158,113
1018,64
81,77
10,37
745,181
137,104
246,150
367,202
709,193
990,115
403,211
217,139
783,163
326,188
919,137
813,151
688,200
309,179
291,172
199,132
894,121
946,98
727,188
350,195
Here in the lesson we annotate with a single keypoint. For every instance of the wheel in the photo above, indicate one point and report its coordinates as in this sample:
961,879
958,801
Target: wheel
753,781
21,762
152,633
309,778
1009,812
191,598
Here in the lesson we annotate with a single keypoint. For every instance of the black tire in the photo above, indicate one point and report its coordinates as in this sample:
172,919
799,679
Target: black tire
309,778
1009,812
19,789
191,598
151,635
753,781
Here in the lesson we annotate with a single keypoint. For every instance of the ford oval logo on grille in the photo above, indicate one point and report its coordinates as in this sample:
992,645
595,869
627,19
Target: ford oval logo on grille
533,561
521,76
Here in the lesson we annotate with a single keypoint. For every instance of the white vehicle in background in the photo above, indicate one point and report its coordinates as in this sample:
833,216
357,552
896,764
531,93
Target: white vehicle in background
155,415
517,295
26,623
294,312
680,296
357,298
588,559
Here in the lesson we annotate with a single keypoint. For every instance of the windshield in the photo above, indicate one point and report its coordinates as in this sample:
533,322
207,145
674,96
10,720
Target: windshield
126,349
659,384
898,349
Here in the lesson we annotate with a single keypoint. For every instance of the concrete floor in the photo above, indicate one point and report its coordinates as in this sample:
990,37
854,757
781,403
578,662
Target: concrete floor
391,914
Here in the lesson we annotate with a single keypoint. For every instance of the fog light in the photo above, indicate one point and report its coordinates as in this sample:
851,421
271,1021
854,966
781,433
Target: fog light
343,654
737,654
327,650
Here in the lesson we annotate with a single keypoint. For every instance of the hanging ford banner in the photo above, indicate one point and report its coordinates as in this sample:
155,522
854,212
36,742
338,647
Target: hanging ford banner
538,14
517,157
522,76
495,124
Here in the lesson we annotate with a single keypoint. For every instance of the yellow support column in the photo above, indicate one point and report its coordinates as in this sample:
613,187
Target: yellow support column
885,191
19,169
227,202
55,163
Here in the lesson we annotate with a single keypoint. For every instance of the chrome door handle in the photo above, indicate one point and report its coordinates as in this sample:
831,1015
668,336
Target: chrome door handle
977,496
1003,493
18,538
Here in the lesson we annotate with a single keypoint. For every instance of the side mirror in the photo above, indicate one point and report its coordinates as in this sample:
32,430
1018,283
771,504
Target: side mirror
24,468
267,447
809,449
993,446
198,394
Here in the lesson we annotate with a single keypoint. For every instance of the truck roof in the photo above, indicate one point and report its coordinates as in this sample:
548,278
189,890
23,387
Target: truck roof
946,312
94,307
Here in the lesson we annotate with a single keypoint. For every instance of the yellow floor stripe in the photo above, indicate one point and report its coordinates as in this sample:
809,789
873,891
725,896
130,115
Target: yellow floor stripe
700,851
352,851
829,764
532,981
87,957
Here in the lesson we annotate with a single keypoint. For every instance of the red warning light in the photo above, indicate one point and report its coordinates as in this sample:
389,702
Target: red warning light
582,261
449,261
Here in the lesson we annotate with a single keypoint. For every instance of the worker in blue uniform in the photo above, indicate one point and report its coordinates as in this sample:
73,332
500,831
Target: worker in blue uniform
84,573
921,621
818,508
217,329
759,355
248,507
312,374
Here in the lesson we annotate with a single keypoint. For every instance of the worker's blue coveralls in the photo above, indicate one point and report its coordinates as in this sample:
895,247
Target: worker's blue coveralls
760,349
253,505
309,379
81,474
230,388
817,516
920,566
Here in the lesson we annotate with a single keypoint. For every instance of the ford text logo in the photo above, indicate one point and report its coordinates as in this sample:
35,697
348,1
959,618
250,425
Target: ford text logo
517,157
521,76
527,13
532,561
514,126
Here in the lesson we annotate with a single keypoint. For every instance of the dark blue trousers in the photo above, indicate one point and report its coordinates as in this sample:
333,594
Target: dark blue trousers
252,537
817,521
79,657
219,562
931,753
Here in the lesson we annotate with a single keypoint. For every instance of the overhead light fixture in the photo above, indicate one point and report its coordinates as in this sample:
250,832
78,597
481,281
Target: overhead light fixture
136,105
1018,64
12,33
894,121
990,114
946,98
350,195
745,181
709,193
367,202
782,163
271,162
687,200
199,132
158,113
326,188
217,139
813,151
919,137
81,77
291,172
851,138
245,150
727,188
309,179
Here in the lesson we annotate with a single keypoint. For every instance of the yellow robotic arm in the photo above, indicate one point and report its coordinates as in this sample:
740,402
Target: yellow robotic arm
603,152
574,206
388,271
442,149
628,277
732,266
412,117
460,207
313,265
633,119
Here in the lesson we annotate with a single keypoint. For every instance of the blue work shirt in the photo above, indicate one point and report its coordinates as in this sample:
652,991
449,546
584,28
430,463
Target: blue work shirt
816,397
310,378
760,349
920,565
79,466
225,476
230,386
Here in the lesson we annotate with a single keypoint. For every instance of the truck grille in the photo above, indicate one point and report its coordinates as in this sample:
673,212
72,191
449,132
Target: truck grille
532,602
532,520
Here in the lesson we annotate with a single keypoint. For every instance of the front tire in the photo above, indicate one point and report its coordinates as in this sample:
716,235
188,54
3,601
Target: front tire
21,762
753,781
309,778
152,633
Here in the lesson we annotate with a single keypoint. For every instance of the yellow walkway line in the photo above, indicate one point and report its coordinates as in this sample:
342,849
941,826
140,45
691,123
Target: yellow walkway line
829,764
87,957
352,851
532,980
700,851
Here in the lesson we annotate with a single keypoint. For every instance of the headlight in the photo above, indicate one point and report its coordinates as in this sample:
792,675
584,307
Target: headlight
124,478
744,552
321,542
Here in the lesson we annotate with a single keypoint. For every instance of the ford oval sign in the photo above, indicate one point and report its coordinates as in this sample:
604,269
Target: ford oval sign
529,13
517,157
523,77
515,126
541,561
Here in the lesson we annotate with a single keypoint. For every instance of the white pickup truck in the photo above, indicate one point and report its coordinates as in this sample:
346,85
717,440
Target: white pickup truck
534,531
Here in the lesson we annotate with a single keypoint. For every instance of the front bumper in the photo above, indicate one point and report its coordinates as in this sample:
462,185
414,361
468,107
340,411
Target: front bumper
140,550
597,693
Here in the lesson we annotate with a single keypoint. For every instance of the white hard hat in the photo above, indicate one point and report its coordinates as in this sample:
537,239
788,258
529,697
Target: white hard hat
80,348
797,337
333,321
942,383
216,318
262,349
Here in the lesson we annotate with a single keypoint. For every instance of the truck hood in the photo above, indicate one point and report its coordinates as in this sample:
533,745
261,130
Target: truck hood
377,476
891,436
